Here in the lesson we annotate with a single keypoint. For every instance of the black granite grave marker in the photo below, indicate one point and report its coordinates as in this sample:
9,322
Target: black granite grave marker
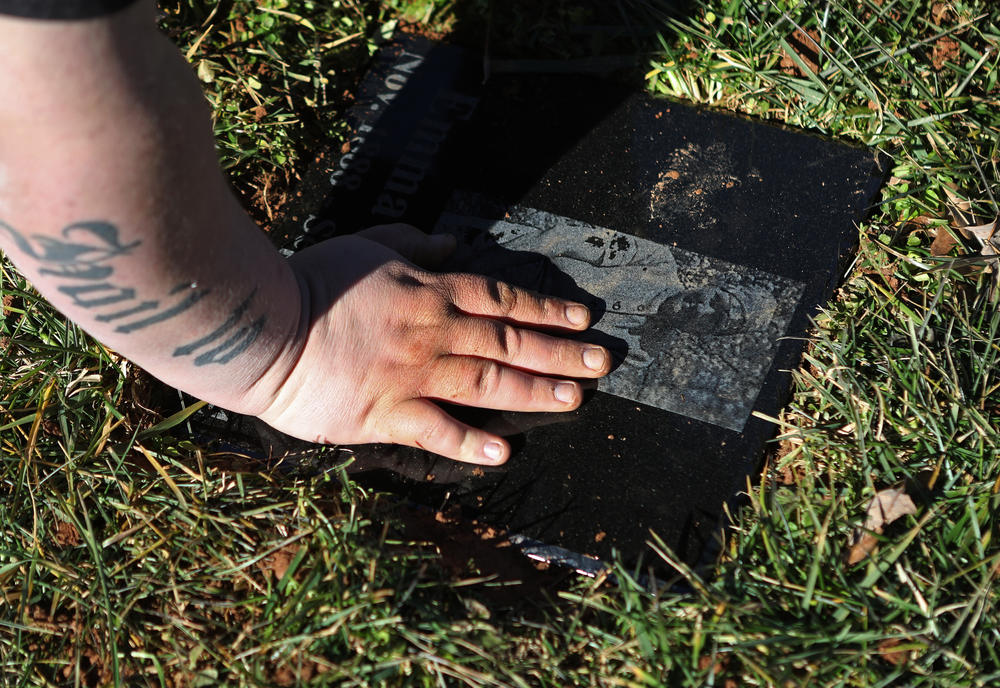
702,241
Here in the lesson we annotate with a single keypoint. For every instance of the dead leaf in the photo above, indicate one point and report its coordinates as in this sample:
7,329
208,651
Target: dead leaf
965,223
983,234
66,534
988,254
939,12
888,652
943,243
923,221
864,546
886,506
959,208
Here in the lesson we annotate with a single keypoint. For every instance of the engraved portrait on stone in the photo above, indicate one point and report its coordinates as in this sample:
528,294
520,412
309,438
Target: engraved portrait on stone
699,333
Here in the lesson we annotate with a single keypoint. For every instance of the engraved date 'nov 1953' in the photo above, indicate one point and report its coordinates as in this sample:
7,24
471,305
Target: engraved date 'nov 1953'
82,260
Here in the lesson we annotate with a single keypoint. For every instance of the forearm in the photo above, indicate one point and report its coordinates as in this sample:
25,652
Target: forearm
112,203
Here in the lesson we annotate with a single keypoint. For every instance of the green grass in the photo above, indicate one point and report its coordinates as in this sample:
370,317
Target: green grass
142,559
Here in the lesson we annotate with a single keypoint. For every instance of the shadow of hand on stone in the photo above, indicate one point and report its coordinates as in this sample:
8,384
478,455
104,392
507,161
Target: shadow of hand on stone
380,340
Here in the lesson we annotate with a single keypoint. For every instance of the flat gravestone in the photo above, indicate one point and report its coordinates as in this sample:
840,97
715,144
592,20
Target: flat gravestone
703,242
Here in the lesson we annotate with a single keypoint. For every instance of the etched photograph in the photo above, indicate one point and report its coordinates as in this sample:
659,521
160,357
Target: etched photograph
693,334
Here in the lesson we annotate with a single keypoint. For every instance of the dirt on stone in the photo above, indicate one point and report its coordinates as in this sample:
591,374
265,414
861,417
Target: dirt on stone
470,547
687,186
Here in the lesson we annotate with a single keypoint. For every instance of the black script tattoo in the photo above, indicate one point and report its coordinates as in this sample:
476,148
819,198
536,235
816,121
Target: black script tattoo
232,347
83,258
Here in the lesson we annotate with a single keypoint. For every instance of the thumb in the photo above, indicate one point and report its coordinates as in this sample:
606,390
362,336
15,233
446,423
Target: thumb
425,250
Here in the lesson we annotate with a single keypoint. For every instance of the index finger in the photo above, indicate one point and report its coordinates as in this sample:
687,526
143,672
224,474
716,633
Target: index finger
485,296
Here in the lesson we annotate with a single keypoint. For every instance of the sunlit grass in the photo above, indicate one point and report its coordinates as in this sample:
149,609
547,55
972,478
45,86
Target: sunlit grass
137,558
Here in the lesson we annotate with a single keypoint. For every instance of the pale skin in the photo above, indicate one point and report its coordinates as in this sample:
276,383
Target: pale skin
113,205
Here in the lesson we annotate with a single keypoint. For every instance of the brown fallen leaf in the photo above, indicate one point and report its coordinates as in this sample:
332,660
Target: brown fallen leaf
940,12
66,534
983,234
887,650
959,208
988,255
965,223
886,506
943,243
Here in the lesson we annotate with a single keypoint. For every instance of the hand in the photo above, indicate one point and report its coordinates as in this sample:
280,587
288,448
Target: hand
381,339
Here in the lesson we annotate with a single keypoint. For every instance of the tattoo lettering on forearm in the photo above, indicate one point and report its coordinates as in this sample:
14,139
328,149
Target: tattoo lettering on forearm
230,348
82,257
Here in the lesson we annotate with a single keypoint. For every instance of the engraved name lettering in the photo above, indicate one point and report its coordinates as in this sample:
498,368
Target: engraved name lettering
420,152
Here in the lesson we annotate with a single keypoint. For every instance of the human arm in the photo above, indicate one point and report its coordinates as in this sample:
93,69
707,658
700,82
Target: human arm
113,204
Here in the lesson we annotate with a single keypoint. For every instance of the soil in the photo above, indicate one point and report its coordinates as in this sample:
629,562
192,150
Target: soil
437,33
276,564
806,47
92,665
271,191
725,669
946,49
792,474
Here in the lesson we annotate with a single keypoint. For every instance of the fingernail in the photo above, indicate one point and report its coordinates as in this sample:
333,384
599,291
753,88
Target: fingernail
594,358
493,451
577,315
565,392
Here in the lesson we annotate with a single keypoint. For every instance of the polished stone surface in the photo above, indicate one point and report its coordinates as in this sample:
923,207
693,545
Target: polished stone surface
703,242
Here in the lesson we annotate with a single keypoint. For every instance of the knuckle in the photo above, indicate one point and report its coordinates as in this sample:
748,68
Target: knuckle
425,304
510,341
486,379
506,297
453,285
434,433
